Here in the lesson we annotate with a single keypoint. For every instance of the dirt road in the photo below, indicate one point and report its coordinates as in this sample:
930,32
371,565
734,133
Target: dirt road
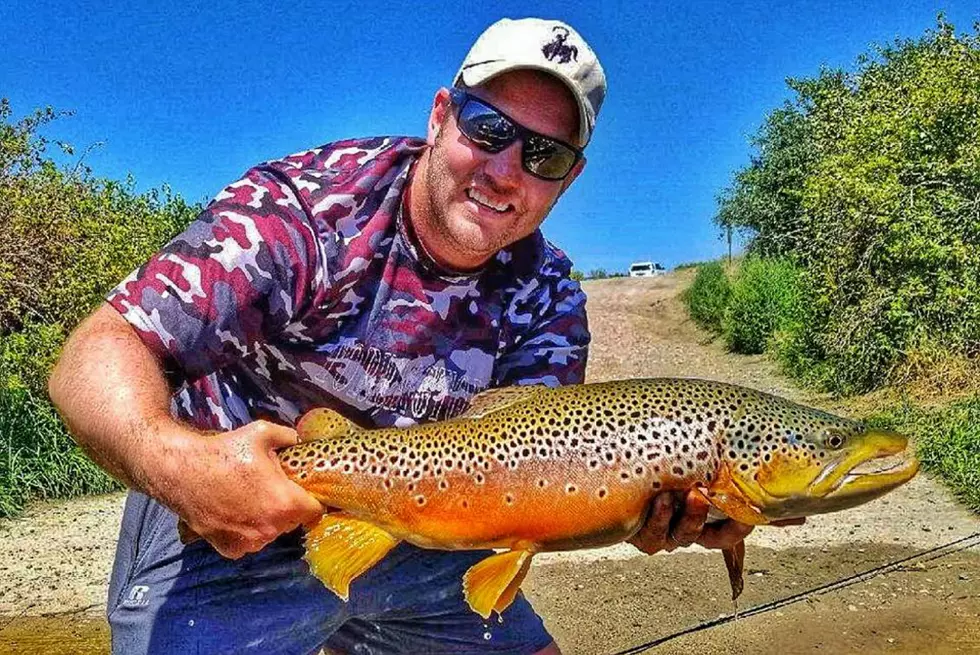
54,561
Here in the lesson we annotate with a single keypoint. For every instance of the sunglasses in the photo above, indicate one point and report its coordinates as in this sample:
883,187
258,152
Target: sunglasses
492,131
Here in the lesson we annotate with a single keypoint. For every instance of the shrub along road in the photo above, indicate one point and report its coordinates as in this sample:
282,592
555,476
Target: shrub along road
54,560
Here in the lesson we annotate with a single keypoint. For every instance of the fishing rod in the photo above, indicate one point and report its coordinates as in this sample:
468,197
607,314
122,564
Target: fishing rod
929,555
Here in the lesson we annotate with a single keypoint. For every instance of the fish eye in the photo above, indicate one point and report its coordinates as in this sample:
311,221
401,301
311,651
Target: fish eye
834,439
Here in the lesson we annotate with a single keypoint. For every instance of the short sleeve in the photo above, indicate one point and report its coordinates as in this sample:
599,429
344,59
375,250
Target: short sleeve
237,275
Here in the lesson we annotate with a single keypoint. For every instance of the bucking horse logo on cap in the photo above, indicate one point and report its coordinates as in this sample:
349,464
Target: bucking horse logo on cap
557,48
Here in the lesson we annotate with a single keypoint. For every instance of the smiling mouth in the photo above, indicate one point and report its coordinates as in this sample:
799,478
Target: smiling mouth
486,202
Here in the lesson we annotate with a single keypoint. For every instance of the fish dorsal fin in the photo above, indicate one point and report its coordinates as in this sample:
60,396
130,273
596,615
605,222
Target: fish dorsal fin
494,400
492,583
322,423
340,547
724,494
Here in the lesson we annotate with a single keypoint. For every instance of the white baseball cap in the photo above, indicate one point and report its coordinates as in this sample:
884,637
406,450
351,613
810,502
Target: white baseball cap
546,45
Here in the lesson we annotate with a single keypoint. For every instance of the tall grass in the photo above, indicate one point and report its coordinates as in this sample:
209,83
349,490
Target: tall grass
948,442
67,237
708,296
765,297
39,458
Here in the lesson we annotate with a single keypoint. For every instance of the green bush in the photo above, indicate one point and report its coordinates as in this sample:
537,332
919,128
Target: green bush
38,458
597,274
686,265
869,180
765,297
947,441
708,296
796,346
28,355
67,238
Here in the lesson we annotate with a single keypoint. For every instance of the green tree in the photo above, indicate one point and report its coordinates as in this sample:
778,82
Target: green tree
870,180
66,238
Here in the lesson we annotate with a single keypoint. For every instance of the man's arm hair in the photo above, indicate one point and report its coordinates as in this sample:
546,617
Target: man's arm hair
113,394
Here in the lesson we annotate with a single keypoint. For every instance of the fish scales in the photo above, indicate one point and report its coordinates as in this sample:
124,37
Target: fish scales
560,468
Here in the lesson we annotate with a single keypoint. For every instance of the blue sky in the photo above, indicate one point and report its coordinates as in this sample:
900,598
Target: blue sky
194,96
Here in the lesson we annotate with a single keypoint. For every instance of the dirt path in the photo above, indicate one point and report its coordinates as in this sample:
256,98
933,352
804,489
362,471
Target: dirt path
54,561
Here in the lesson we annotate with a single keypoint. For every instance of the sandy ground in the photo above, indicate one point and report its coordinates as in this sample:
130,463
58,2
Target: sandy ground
55,560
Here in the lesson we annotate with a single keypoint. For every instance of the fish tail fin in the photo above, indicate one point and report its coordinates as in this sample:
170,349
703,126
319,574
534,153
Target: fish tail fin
492,584
323,423
340,547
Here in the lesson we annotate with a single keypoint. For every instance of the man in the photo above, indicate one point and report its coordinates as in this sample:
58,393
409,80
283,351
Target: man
390,279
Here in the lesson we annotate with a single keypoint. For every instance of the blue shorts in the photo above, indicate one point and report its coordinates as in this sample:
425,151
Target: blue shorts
165,597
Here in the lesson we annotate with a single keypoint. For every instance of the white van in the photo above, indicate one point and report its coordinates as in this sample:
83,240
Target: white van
646,269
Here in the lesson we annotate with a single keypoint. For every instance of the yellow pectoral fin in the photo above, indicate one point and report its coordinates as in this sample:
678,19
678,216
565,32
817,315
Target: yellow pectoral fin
727,497
493,583
340,547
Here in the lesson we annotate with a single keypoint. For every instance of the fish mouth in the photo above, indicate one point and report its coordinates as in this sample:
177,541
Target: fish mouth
876,476
880,464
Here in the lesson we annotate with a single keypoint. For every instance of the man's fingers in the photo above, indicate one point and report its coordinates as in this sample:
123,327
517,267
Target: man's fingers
724,534
691,522
274,436
310,509
652,535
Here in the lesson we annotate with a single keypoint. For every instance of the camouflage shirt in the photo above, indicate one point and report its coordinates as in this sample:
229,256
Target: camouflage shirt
300,286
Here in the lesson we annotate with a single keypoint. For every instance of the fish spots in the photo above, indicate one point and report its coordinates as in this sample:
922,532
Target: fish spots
601,493
509,499
640,432
420,500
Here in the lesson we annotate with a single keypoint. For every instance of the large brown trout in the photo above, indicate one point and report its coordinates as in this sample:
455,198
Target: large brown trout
532,469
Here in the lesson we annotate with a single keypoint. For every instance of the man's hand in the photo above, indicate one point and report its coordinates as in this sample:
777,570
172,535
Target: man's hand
231,490
667,528
113,393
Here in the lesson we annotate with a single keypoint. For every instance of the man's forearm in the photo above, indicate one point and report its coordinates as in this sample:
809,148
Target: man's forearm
114,396
230,488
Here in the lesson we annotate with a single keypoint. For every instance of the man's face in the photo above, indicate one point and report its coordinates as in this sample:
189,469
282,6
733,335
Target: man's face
481,202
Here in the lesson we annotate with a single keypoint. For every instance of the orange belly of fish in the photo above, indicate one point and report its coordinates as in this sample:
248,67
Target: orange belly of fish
524,509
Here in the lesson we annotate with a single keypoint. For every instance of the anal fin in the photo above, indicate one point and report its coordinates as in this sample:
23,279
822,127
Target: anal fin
340,547
492,584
